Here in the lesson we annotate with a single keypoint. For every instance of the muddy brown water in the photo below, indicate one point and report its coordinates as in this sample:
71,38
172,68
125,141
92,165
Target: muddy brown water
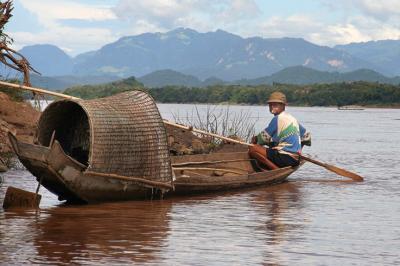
316,218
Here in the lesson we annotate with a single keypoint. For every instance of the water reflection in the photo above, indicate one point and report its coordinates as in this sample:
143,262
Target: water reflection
276,201
275,205
112,232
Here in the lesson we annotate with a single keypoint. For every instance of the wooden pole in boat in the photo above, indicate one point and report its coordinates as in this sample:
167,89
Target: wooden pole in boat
37,90
329,167
205,133
210,169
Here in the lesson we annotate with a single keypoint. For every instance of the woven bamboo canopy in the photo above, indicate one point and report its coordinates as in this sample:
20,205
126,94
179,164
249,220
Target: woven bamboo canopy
122,134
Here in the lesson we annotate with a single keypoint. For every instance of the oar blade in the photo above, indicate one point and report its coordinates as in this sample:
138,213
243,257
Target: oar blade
335,169
344,172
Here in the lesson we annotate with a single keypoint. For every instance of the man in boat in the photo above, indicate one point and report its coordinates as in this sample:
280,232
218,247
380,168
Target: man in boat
283,135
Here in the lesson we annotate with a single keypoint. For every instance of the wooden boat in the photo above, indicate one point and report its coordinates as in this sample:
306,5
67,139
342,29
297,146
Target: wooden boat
350,107
203,173
116,148
221,172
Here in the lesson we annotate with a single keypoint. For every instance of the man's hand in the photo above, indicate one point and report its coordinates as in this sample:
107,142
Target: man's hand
306,139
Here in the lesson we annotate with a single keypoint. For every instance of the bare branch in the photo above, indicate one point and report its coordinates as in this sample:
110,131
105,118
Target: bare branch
8,56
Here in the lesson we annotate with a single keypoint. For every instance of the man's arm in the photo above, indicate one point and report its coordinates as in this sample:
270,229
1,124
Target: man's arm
304,136
265,136
302,130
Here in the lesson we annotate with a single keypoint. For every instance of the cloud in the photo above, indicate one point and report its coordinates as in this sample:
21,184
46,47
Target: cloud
71,40
82,23
201,15
353,29
239,10
382,10
374,20
79,27
292,26
362,29
53,10
52,15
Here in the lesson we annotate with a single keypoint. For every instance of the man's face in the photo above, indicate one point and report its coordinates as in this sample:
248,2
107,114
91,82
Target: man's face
276,108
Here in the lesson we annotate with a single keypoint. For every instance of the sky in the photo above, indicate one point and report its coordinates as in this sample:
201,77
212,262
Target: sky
81,26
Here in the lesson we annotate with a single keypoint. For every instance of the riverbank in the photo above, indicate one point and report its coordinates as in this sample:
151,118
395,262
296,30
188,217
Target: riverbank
19,118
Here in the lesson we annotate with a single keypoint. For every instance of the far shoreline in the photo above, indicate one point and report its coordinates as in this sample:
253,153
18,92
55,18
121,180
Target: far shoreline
289,105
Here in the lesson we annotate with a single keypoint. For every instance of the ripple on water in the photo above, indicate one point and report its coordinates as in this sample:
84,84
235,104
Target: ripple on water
317,218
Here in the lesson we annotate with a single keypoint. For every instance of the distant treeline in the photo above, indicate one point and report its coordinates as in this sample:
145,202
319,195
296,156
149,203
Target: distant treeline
336,94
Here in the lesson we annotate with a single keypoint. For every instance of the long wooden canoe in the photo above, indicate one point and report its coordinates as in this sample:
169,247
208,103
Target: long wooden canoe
222,171
70,180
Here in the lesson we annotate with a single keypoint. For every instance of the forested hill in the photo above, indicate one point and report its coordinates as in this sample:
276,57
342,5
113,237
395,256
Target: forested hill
289,75
104,90
306,75
335,94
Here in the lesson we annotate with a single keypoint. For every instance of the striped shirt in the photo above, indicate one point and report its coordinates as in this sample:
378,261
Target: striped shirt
283,133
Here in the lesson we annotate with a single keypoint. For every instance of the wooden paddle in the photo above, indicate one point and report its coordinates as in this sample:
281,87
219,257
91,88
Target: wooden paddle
329,167
334,169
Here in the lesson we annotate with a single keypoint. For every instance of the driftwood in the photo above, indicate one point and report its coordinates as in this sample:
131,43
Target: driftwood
19,198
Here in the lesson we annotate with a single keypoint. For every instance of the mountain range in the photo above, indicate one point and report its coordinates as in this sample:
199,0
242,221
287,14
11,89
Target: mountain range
161,78
214,56
220,54
305,75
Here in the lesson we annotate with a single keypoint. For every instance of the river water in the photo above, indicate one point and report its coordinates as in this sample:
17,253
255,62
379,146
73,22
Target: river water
316,218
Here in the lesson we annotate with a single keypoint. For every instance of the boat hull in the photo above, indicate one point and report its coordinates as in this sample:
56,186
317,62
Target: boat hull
194,174
66,177
212,181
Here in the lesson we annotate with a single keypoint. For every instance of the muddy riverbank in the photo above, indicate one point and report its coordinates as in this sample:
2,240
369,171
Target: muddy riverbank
19,118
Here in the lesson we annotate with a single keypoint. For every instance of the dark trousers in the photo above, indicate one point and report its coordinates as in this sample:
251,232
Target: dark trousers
281,159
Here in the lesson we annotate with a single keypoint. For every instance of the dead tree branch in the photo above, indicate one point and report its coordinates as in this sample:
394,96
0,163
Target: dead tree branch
8,56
